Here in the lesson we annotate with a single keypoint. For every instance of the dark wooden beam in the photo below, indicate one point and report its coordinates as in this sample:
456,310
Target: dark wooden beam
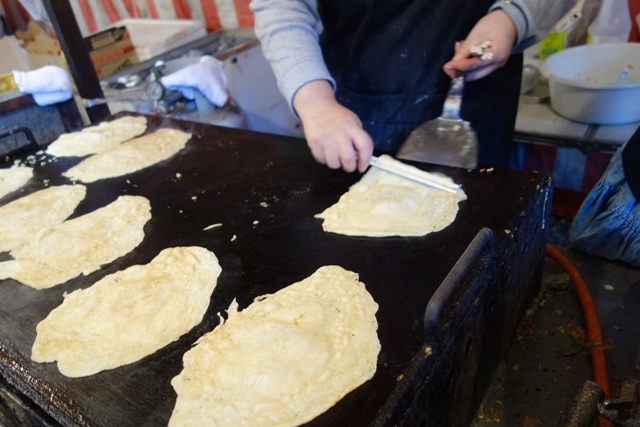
77,55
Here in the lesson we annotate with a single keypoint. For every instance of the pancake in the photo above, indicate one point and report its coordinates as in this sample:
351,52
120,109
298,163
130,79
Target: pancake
95,139
13,178
283,360
385,204
80,245
130,314
130,156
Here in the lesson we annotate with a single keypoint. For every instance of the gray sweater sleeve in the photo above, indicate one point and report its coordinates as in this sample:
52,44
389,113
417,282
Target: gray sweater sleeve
288,31
533,18
519,12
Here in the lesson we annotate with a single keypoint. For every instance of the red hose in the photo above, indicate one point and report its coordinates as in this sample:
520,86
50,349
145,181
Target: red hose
594,334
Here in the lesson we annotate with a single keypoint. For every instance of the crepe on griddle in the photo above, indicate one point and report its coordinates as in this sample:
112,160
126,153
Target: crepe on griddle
130,156
26,217
283,360
12,179
385,204
80,245
129,314
94,139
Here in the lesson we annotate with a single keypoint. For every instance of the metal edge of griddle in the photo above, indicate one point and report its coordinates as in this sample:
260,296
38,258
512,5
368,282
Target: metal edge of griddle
438,315
30,147
18,372
506,275
18,410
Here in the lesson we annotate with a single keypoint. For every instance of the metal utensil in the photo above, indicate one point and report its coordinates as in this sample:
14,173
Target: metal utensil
447,140
388,164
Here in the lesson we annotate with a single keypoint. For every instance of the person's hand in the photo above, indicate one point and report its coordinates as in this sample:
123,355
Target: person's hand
334,133
500,31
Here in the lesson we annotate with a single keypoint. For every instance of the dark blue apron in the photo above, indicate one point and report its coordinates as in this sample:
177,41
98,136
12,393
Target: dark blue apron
387,58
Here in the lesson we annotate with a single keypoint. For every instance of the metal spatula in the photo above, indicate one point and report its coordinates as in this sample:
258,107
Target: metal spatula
447,140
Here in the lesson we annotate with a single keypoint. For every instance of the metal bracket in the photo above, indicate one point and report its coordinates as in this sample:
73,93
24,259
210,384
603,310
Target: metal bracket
459,282
31,146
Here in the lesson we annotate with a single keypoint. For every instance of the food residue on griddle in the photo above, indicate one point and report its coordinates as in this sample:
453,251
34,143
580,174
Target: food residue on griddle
209,227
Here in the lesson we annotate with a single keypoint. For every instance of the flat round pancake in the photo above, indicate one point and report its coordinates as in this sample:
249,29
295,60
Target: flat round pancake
283,360
27,216
384,204
130,156
95,139
130,314
80,245
13,178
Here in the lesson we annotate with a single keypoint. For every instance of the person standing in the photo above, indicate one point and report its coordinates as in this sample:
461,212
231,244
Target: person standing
361,74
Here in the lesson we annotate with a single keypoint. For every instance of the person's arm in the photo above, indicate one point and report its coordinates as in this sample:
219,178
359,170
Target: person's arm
497,28
533,18
511,26
289,31
334,133
525,25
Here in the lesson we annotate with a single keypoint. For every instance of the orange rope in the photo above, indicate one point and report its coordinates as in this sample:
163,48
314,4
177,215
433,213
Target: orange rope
598,362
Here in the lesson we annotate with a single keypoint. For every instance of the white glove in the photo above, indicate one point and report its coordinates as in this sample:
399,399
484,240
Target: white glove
48,85
207,76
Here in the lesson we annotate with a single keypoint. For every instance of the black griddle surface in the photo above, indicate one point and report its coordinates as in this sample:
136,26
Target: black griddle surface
265,190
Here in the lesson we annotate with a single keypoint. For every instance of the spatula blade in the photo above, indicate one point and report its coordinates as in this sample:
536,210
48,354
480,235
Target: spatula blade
443,142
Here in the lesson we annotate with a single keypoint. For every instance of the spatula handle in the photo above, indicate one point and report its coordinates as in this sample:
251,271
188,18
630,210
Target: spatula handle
451,108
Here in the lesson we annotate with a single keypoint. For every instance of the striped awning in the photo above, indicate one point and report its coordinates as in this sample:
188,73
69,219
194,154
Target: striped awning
94,15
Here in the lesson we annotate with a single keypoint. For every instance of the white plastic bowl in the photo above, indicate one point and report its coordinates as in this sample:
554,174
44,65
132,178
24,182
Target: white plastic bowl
582,83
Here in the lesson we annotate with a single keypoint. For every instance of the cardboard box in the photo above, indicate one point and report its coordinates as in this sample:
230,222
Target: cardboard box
107,38
112,53
111,50
117,65
13,56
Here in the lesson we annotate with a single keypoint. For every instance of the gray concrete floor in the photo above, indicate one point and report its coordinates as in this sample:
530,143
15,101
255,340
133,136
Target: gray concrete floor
547,362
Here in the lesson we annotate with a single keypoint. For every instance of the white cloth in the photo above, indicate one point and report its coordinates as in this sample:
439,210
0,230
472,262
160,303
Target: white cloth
48,85
207,76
